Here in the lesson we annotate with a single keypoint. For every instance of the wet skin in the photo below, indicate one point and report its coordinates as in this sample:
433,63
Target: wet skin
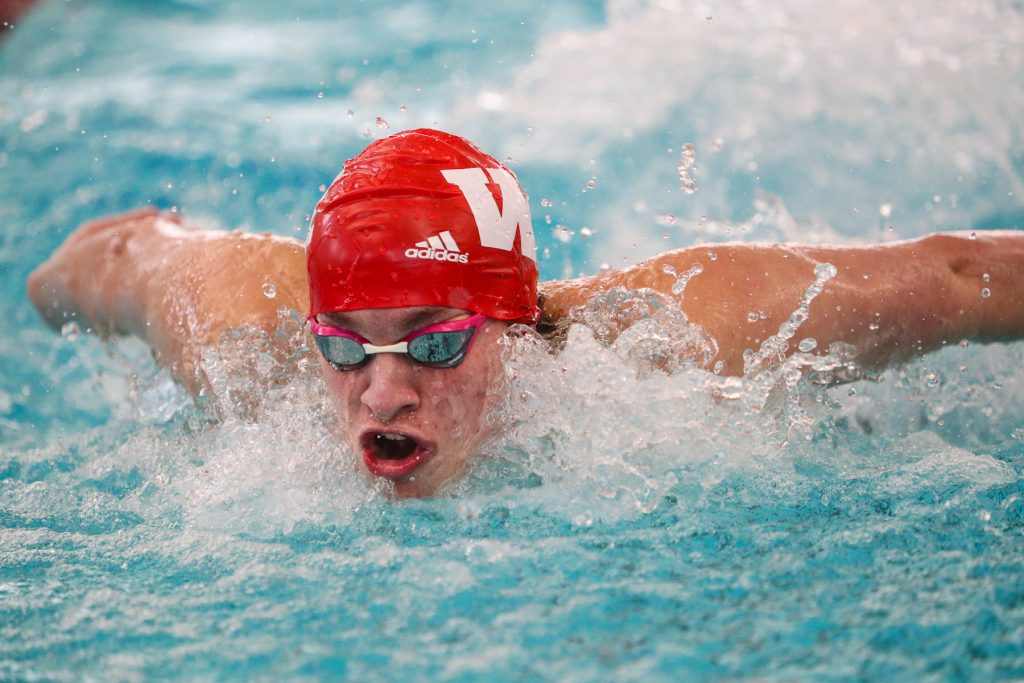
412,424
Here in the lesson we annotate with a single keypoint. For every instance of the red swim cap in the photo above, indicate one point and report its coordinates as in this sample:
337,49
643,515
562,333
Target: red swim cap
424,218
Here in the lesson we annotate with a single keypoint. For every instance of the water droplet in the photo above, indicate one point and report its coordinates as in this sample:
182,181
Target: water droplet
267,119
545,202
985,277
586,232
985,292
320,95
402,107
70,331
687,161
269,290
885,210
936,198
670,219
807,345
381,123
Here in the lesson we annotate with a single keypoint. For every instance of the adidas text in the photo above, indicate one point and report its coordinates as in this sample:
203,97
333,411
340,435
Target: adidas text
437,255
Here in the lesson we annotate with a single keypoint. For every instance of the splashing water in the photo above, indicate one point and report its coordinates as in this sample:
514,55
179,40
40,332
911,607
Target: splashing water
773,349
687,163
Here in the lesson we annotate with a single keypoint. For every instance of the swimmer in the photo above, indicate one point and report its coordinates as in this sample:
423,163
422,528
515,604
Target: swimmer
420,257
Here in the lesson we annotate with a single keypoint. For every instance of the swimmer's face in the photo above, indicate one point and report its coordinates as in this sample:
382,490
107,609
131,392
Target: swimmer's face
416,425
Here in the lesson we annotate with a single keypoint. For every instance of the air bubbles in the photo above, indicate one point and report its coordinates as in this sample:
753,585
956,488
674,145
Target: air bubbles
985,292
402,108
885,210
718,144
712,256
752,317
381,123
973,235
592,183
70,331
985,277
269,290
320,95
545,202
586,232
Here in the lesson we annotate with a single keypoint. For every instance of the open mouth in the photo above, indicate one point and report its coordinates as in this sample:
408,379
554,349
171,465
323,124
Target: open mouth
393,455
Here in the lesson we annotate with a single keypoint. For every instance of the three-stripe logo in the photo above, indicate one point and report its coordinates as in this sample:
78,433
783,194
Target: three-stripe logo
439,247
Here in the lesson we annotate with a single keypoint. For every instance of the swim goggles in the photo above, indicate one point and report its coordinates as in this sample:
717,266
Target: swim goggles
442,345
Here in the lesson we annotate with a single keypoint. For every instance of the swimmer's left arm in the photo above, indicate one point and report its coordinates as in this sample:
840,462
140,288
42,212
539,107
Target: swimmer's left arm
888,302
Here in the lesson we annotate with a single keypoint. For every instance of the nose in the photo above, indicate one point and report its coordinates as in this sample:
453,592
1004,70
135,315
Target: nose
391,388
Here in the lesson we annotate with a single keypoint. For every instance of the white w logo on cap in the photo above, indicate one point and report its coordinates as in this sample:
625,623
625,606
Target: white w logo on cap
497,228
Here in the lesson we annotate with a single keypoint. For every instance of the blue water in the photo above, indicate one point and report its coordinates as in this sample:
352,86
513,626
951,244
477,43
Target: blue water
630,525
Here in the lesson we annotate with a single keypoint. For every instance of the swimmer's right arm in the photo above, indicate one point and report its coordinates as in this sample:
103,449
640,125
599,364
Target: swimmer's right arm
143,274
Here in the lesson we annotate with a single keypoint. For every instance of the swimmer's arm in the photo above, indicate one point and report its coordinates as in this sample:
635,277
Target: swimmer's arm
889,302
143,274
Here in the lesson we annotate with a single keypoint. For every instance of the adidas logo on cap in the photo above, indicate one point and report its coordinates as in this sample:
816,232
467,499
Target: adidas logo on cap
439,247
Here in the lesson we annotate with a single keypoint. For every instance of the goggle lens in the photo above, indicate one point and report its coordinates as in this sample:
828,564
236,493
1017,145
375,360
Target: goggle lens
343,351
441,349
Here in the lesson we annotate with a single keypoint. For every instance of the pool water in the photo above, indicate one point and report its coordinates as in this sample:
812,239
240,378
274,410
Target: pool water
630,525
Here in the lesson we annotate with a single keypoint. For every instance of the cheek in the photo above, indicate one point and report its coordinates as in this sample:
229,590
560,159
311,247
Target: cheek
341,387
478,394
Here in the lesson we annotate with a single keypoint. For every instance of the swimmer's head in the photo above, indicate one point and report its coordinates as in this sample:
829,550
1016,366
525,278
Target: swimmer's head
416,234
424,218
